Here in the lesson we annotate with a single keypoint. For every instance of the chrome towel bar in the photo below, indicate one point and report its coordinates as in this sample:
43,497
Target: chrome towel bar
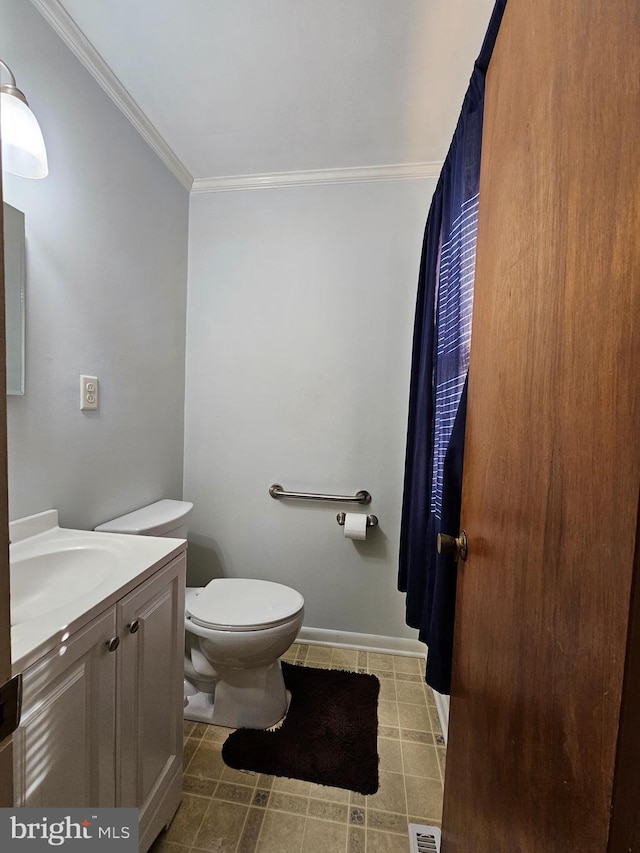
361,497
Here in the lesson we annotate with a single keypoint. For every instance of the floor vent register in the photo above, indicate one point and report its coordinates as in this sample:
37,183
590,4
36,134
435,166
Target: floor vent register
424,839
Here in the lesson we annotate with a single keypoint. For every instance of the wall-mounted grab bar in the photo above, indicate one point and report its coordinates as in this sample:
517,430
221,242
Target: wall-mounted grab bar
361,497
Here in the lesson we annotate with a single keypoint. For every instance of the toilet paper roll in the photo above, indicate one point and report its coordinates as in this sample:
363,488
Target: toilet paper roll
355,525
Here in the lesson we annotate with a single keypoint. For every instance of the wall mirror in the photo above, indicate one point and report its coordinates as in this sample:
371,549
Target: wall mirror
14,286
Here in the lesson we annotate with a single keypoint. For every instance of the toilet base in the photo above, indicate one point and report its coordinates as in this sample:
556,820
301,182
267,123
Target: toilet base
199,707
253,698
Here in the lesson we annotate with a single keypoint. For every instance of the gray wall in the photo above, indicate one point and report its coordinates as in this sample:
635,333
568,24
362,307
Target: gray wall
106,291
299,333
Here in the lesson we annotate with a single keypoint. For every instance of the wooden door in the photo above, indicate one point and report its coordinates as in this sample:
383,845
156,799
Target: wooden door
552,459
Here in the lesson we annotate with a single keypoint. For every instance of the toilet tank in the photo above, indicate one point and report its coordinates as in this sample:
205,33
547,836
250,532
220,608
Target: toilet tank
162,518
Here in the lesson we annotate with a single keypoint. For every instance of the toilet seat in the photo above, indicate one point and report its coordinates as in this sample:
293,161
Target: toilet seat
242,604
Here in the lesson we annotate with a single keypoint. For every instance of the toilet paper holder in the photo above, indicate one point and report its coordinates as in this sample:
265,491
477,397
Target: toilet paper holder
372,520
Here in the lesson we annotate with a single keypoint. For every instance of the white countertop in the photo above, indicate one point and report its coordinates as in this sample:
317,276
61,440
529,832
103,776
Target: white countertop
64,595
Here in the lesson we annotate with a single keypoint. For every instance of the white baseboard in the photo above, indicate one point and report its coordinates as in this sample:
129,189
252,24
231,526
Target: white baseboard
362,642
442,706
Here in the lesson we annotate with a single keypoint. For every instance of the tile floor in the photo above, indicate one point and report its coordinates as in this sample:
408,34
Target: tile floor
228,811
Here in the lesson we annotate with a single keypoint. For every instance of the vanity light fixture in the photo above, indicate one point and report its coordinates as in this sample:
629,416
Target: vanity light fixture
23,149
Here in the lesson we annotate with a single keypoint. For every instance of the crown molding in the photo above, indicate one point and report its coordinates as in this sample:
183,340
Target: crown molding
316,177
81,47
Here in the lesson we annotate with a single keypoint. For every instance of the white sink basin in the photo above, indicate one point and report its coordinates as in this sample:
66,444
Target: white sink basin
62,578
41,583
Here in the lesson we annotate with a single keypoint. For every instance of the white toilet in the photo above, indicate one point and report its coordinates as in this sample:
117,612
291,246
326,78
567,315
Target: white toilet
236,631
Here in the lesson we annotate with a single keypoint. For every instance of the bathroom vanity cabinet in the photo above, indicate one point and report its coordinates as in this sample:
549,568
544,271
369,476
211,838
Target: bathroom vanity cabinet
102,713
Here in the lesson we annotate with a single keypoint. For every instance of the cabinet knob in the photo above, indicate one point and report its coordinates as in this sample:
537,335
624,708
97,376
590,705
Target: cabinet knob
134,627
113,644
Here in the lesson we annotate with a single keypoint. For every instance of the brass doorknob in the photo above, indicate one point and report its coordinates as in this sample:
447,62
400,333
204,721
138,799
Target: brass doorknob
458,547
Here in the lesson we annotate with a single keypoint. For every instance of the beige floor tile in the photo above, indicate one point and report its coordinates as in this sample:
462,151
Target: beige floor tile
424,798
239,777
319,654
199,730
356,840
410,692
323,837
222,827
345,658
281,833
389,732
186,823
414,666
326,792
380,661
390,796
190,746
303,650
382,674
388,689
436,728
386,842
420,760
207,761
325,810
291,786
288,803
409,676
390,755
234,793
217,734
387,821
423,820
161,845
388,713
199,785
266,814
414,717
416,737
249,839
261,798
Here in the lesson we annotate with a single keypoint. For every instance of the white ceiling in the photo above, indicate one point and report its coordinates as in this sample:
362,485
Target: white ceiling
252,87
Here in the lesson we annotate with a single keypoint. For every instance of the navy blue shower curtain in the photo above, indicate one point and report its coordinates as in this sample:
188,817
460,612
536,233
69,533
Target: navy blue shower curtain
437,399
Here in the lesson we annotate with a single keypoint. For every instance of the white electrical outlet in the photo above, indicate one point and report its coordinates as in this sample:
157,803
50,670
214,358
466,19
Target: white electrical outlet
88,393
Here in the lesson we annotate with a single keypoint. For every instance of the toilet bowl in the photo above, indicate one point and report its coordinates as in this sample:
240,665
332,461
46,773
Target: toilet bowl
236,631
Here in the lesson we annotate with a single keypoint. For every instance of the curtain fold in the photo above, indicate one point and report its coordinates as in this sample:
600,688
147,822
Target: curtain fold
437,397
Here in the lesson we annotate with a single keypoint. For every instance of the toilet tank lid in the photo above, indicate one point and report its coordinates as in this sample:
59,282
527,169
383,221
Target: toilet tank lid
153,520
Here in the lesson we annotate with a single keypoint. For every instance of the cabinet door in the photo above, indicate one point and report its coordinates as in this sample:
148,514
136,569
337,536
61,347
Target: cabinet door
64,747
150,681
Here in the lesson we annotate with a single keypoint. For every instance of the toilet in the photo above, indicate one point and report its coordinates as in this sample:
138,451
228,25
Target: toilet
236,630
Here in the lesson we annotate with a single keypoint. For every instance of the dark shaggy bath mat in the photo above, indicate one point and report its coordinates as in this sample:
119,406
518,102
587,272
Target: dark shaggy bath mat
329,735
